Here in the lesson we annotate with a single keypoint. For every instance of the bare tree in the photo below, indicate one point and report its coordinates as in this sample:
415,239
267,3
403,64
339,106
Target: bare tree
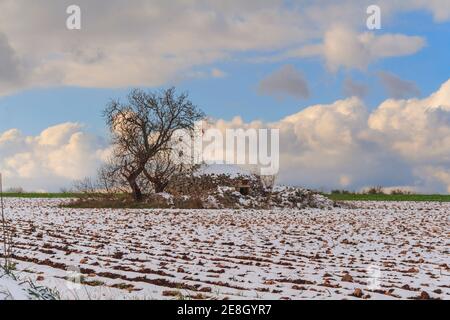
109,181
85,186
143,127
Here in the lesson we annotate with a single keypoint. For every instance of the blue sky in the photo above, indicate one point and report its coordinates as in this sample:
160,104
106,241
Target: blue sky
222,53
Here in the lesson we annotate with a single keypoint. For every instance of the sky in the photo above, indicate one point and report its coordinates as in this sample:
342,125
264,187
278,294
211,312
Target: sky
356,107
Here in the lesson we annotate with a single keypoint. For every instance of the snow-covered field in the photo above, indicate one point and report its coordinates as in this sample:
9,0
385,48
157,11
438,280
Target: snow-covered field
379,251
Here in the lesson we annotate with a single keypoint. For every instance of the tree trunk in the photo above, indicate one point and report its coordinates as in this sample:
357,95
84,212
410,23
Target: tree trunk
158,184
159,187
137,193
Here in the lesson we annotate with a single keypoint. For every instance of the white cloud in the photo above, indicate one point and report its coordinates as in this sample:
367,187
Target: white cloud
343,47
150,43
139,43
418,130
50,160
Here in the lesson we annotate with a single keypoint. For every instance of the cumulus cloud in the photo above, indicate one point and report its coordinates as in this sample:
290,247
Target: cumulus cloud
285,82
396,87
344,145
50,160
416,129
